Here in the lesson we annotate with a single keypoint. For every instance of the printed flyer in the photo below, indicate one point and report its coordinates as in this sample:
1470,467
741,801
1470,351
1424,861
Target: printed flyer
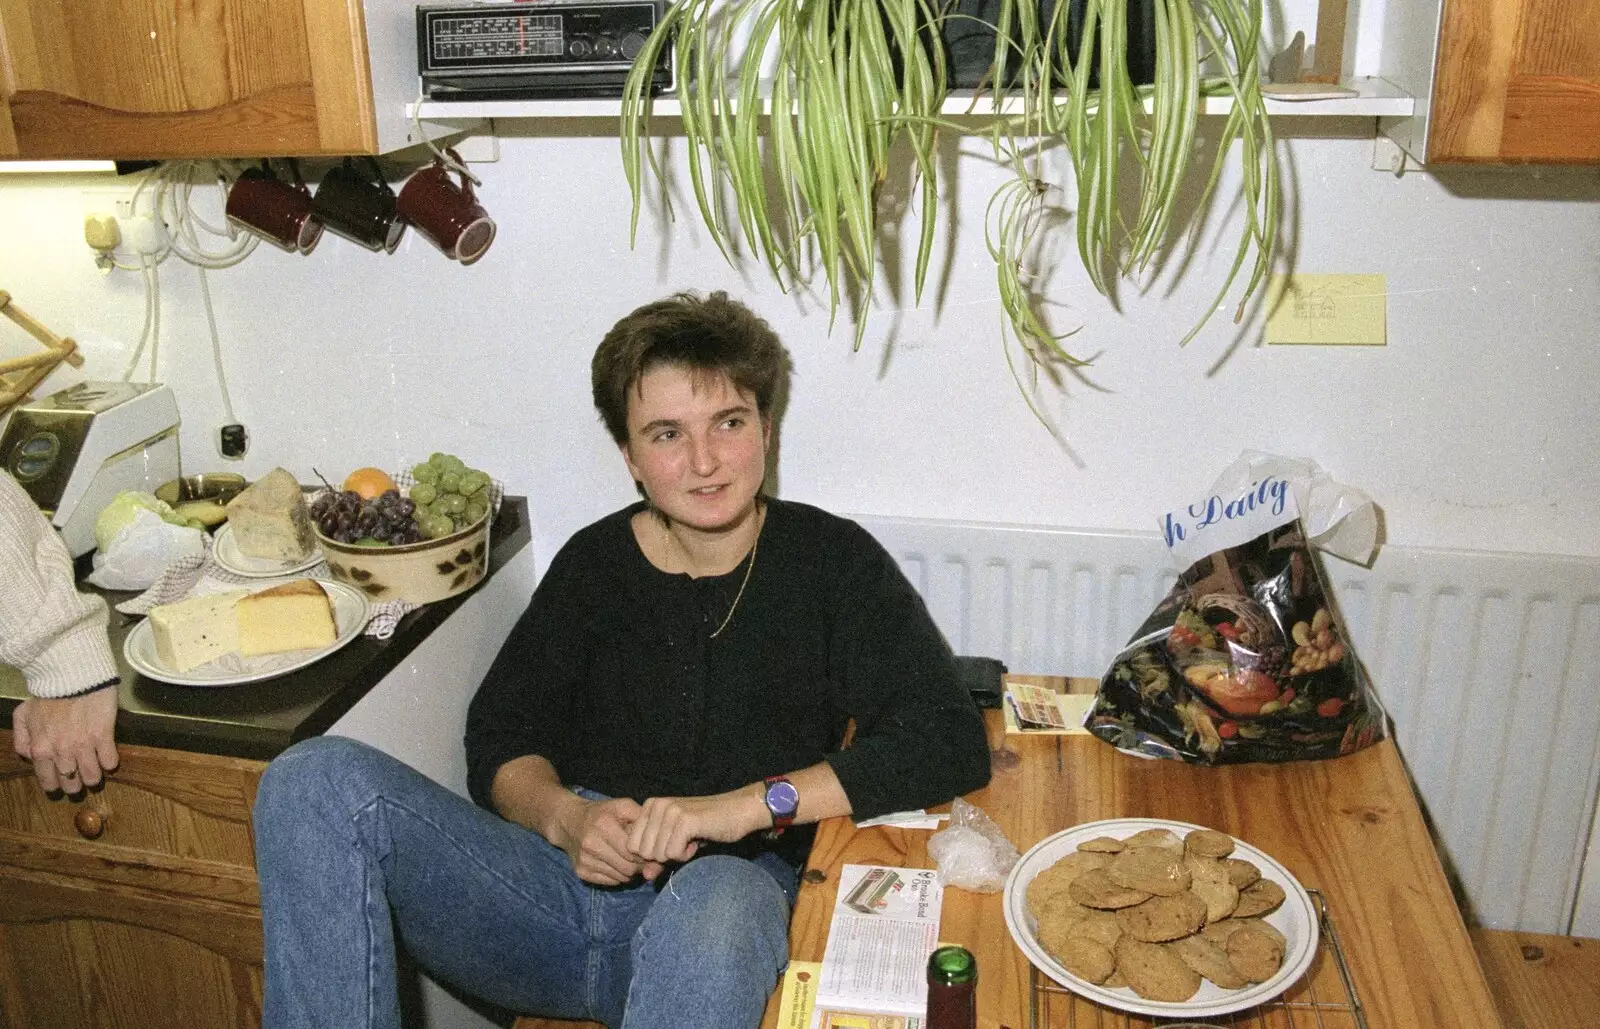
884,926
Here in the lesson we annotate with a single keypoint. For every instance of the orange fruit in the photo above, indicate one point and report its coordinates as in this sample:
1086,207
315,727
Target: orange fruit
369,482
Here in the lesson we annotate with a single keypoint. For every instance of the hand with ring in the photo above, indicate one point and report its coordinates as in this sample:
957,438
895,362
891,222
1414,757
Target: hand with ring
69,741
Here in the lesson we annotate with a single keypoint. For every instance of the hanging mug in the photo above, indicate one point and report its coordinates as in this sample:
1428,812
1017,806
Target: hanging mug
447,213
277,211
359,207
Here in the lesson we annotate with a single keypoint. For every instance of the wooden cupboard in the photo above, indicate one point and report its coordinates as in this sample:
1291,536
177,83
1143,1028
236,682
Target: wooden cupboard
1517,80
1497,81
198,78
135,906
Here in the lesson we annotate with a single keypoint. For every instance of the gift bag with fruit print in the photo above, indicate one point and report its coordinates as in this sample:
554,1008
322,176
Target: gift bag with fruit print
1246,658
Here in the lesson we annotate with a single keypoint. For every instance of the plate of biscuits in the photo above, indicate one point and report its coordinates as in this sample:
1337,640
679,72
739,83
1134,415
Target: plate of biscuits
1160,918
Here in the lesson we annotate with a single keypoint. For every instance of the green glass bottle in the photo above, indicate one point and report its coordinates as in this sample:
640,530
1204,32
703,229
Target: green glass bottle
952,989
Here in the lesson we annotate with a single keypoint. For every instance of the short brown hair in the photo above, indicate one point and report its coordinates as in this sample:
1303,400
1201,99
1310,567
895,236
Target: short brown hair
712,335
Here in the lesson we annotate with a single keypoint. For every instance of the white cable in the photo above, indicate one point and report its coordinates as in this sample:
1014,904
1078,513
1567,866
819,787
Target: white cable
143,267
216,348
449,162
155,322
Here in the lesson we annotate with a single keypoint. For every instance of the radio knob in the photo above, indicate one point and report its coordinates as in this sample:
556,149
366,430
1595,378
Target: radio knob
632,43
607,47
580,46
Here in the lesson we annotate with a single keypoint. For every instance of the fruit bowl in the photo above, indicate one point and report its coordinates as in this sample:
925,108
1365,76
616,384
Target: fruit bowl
416,572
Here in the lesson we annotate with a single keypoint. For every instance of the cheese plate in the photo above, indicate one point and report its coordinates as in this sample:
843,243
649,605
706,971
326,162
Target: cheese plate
350,614
225,551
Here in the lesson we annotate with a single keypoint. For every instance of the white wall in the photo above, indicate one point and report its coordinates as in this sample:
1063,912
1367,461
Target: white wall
1473,428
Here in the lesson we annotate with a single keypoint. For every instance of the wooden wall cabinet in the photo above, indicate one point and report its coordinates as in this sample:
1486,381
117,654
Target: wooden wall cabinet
136,79
1496,81
149,918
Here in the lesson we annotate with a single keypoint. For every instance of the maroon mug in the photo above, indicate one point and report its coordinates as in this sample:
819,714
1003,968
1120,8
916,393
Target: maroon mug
447,213
277,211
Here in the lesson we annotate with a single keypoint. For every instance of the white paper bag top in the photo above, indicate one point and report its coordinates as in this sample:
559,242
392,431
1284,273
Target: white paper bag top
1259,492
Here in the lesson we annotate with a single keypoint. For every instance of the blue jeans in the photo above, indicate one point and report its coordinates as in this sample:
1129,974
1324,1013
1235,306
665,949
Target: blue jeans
353,847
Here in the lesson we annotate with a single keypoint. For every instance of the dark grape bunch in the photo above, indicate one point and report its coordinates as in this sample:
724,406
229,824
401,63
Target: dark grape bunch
385,520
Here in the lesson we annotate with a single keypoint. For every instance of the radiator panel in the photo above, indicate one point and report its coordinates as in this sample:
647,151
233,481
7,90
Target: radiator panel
1488,664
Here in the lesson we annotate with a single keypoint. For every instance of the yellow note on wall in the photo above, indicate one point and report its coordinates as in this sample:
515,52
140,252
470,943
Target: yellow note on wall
1337,310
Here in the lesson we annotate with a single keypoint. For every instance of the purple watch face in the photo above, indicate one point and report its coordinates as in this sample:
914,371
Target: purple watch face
782,799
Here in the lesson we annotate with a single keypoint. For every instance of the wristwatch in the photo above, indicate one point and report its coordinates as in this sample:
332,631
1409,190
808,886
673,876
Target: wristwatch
783,800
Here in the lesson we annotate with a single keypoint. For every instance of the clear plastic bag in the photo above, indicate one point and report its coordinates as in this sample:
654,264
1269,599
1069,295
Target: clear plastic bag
972,852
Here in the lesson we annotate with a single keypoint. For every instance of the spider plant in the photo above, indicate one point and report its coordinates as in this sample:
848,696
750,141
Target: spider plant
802,164
805,163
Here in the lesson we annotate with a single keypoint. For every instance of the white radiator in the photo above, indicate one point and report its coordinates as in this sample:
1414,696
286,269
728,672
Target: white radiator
1488,664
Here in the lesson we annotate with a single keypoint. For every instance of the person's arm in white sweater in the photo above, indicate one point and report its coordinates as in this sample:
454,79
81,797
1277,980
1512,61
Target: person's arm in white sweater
57,637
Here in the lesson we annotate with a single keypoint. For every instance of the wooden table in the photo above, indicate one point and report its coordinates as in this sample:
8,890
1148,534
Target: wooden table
1350,827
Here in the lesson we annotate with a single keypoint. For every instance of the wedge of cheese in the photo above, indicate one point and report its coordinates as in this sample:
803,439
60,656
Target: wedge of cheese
294,616
192,632
270,520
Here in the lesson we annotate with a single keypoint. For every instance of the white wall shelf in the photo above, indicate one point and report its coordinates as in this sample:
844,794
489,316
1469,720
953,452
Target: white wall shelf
1376,98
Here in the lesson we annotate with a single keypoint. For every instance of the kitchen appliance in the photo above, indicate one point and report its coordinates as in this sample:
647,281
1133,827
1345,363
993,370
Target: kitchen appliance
555,49
78,448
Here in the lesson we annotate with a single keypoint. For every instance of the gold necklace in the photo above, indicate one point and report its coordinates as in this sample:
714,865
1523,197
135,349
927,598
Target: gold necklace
761,522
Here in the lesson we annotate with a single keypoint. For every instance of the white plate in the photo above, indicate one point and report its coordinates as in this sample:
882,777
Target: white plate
1295,918
227,554
350,611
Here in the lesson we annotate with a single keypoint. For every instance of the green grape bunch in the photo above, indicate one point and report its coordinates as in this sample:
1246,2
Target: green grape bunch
448,495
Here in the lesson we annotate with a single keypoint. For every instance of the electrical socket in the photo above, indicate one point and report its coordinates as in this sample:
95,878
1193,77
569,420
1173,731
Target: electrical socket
112,200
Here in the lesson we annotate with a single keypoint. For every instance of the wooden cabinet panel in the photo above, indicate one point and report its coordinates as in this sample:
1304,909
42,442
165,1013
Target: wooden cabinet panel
1517,80
145,915
75,955
187,807
198,78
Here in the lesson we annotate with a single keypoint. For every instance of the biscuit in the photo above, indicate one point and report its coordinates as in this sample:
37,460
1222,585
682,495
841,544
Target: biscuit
1241,873
1153,869
1210,960
1254,954
1096,889
1263,926
1220,898
1154,838
1101,845
1258,898
1208,843
1218,932
1114,981
1083,957
1164,918
1102,927
1059,876
1058,907
1154,972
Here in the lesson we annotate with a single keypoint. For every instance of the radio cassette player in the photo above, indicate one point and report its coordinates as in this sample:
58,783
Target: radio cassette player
539,50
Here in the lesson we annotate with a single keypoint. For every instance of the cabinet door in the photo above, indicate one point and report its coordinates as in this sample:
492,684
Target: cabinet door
183,78
80,955
1517,80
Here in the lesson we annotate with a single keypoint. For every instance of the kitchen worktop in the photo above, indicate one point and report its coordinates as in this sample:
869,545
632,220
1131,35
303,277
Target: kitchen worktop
259,720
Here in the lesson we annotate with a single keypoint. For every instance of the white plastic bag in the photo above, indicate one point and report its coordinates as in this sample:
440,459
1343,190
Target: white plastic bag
141,550
972,853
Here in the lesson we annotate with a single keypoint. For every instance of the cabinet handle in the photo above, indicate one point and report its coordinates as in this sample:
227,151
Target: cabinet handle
90,823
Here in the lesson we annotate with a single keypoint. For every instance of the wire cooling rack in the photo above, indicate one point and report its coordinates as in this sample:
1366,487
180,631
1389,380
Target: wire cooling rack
1324,998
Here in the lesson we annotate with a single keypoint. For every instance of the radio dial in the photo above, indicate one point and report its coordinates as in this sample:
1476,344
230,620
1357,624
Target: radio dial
607,47
580,46
632,43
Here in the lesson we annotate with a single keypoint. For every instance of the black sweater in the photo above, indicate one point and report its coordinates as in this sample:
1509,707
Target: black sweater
612,676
